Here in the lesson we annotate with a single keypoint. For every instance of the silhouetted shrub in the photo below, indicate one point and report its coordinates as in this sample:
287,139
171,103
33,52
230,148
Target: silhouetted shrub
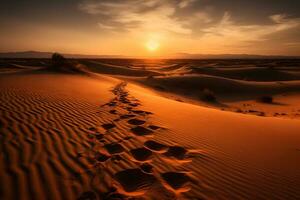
208,95
60,63
58,60
266,99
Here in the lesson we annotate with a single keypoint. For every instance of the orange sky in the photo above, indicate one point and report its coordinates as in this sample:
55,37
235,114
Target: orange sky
128,27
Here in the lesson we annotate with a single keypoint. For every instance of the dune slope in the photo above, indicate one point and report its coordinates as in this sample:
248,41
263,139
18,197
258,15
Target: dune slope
250,73
224,88
77,137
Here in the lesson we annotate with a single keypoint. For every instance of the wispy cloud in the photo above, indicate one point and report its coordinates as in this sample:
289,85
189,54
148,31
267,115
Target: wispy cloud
227,29
185,3
151,15
193,22
162,16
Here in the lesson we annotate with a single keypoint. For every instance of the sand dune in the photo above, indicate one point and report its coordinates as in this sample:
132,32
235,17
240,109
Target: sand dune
250,74
116,70
235,151
236,84
224,88
73,136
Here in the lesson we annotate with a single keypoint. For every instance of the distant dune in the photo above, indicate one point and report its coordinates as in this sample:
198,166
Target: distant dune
40,54
105,68
250,73
226,89
229,56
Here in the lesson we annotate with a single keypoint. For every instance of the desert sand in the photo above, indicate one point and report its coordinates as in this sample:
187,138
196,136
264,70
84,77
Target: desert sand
132,129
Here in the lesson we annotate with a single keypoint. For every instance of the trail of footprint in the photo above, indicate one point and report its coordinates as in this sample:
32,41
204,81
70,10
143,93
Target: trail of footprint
136,180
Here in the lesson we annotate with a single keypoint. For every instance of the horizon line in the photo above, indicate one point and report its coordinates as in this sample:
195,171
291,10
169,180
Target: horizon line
179,55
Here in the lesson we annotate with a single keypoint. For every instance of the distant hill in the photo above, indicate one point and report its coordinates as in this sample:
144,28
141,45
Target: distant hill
39,54
231,56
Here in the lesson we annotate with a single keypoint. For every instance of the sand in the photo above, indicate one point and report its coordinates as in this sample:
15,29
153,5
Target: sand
70,136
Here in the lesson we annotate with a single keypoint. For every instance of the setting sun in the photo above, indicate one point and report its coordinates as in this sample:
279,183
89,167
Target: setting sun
152,45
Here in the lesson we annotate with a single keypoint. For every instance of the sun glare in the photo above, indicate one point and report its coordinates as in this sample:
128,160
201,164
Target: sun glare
152,45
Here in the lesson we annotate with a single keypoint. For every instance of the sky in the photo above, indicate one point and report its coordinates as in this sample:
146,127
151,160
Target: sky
151,27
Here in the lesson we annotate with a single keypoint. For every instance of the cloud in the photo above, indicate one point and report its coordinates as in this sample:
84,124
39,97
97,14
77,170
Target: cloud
186,18
278,18
150,15
227,29
185,3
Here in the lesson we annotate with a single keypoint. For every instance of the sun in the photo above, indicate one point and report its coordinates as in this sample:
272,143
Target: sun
152,45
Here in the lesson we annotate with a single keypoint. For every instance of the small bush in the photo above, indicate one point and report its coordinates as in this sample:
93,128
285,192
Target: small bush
60,63
208,95
58,60
266,99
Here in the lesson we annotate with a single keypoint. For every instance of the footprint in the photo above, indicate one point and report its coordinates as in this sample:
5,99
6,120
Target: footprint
135,180
141,154
87,196
112,194
113,112
123,100
141,112
176,180
103,141
154,127
176,152
128,108
99,136
134,104
155,146
126,116
127,138
93,129
147,168
114,148
136,122
111,104
101,157
141,131
116,158
108,126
